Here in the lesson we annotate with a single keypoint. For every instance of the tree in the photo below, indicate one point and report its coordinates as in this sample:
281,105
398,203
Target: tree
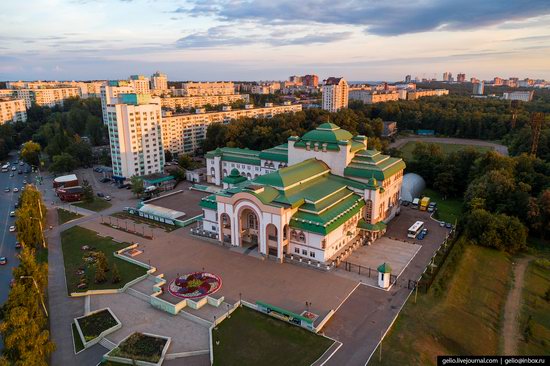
30,153
63,162
87,191
168,155
101,267
137,185
82,151
115,275
185,161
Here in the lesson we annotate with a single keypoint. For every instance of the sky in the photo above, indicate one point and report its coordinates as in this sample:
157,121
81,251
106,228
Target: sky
273,39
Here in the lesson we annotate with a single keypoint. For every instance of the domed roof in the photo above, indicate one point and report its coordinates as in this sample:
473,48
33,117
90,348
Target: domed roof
413,185
327,132
234,177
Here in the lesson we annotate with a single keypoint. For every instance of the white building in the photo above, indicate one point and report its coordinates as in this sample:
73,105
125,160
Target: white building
140,84
135,136
334,195
208,88
478,88
201,100
524,96
335,94
12,110
159,82
46,97
109,94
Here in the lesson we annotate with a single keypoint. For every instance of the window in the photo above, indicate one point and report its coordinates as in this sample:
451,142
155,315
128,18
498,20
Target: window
297,250
252,222
213,228
304,252
312,254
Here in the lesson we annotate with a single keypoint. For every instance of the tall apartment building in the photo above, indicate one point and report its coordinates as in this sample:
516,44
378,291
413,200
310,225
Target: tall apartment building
461,77
140,84
408,78
214,88
183,133
135,135
498,81
310,80
447,76
12,110
159,82
478,88
335,94
49,97
524,96
110,91
200,101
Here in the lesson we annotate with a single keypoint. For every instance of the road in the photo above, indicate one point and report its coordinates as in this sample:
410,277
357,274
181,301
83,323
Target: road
450,140
7,243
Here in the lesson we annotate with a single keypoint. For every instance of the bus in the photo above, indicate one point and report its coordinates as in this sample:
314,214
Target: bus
415,229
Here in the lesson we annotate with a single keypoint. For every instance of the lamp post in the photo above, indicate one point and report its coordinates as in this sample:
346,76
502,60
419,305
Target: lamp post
38,290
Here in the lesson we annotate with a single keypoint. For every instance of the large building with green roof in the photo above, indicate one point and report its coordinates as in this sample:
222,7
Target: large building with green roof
313,198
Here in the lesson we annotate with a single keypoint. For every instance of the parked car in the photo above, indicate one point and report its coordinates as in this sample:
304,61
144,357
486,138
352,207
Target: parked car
425,231
7,189
21,163
99,194
432,207
3,260
12,175
20,171
98,170
18,245
420,236
15,190
13,168
442,223
107,198
12,229
105,180
24,181
406,203
12,213
448,225
16,205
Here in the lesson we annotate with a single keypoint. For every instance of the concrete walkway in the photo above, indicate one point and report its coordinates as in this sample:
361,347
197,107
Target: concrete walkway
511,332
450,140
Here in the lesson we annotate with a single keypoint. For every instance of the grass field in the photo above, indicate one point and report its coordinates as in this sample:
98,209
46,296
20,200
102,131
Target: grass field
64,216
252,338
97,205
73,239
463,320
534,304
448,210
408,148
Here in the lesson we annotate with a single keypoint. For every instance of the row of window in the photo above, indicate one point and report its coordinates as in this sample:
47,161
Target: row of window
304,252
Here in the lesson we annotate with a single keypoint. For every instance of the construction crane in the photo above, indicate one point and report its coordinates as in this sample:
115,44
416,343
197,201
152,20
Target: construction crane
514,108
536,125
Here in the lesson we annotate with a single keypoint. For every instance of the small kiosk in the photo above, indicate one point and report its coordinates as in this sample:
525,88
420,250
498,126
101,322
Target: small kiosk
384,274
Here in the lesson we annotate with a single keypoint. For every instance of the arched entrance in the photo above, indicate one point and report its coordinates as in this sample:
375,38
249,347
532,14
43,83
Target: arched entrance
249,228
271,233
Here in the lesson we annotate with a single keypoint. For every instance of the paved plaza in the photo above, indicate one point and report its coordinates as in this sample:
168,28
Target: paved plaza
185,200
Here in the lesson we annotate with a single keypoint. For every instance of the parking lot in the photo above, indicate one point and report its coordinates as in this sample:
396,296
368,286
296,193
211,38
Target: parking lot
398,227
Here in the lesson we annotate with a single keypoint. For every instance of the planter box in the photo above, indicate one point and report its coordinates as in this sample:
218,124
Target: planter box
109,357
103,334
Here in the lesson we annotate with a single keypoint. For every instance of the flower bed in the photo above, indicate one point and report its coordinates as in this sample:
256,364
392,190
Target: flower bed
141,347
195,285
96,323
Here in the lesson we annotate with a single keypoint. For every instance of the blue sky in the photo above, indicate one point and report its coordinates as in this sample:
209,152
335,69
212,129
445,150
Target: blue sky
272,39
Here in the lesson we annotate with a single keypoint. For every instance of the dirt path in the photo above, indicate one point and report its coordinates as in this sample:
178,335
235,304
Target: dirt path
512,308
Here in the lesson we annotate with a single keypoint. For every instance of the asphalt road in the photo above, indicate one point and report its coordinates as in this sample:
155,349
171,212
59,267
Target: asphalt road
7,243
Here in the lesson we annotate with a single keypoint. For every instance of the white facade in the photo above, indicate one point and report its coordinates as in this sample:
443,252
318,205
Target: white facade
335,94
109,95
208,88
12,110
46,97
524,96
140,84
202,100
135,138
159,82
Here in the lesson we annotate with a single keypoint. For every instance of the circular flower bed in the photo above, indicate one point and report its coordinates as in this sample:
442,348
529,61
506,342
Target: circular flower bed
195,285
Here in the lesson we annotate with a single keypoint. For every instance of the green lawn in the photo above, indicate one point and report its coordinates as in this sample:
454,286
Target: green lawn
64,216
537,282
72,241
465,319
448,210
94,324
253,338
408,148
78,345
98,204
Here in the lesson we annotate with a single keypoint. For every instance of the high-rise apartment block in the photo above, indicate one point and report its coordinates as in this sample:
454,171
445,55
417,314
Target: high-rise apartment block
159,82
49,97
311,81
460,77
135,135
140,84
498,81
478,88
335,94
214,88
447,76
109,94
12,110
408,78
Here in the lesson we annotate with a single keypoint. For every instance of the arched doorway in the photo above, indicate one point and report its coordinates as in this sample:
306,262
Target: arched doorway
271,233
249,228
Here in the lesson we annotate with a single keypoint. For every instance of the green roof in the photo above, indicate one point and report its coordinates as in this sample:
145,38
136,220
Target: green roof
209,202
236,155
284,312
234,178
285,177
277,153
372,164
384,268
363,225
327,132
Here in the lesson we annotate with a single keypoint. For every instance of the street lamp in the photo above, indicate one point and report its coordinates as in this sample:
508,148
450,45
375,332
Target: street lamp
37,289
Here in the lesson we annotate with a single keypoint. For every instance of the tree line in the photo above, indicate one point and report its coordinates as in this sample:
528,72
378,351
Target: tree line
24,319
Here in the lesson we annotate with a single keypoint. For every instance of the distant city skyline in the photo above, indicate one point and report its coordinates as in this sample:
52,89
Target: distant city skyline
266,40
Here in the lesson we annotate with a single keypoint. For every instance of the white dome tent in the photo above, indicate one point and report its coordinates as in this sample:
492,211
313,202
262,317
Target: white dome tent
413,185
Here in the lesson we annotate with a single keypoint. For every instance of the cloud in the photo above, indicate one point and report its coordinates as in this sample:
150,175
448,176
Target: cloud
385,18
228,35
